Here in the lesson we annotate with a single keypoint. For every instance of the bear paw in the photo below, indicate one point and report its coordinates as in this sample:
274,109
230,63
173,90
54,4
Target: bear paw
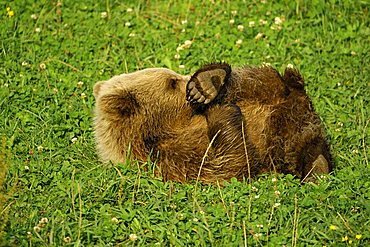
206,84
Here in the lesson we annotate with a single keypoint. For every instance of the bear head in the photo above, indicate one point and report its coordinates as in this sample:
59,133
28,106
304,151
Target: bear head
134,110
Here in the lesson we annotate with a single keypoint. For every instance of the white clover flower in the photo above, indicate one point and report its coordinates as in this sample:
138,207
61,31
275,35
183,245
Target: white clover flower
181,66
80,84
37,229
259,225
274,180
251,23
240,28
201,212
183,22
55,90
44,221
128,10
353,53
257,196
42,66
279,20
104,15
26,168
257,235
40,148
132,35
114,220
277,204
133,237
74,140
34,16
187,44
83,95
24,63
259,36
277,193
254,189
355,151
180,216
232,21
276,27
262,22
177,56
179,48
340,124
195,219
234,12
127,24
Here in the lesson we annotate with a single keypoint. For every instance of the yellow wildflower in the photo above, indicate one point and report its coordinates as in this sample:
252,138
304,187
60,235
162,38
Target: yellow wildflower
345,238
10,12
350,241
358,236
332,227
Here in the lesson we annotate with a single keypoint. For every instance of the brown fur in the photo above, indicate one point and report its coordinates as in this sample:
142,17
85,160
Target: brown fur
147,111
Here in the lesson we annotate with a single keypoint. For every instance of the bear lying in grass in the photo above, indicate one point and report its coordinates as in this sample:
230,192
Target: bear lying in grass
218,124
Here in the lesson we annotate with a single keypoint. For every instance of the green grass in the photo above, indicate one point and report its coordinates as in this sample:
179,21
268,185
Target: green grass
43,107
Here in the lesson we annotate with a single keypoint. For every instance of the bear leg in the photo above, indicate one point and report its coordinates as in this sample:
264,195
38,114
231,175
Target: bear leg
232,152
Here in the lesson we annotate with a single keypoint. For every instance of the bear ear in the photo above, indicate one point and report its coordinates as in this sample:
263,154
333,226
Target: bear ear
206,83
293,78
97,87
119,103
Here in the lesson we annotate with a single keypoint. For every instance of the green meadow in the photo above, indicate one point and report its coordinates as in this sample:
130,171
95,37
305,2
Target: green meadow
54,191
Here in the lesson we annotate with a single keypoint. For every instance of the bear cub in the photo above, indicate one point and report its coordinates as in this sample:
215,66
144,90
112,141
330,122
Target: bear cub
217,124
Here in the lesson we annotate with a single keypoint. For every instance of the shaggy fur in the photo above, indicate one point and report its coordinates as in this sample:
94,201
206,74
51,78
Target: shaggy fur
252,119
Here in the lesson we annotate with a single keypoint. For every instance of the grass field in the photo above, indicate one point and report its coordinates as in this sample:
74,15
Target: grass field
55,192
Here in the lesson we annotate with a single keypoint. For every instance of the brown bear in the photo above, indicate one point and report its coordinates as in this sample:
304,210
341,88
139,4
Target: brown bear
217,124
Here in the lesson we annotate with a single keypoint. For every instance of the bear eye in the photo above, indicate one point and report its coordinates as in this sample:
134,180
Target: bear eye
172,83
